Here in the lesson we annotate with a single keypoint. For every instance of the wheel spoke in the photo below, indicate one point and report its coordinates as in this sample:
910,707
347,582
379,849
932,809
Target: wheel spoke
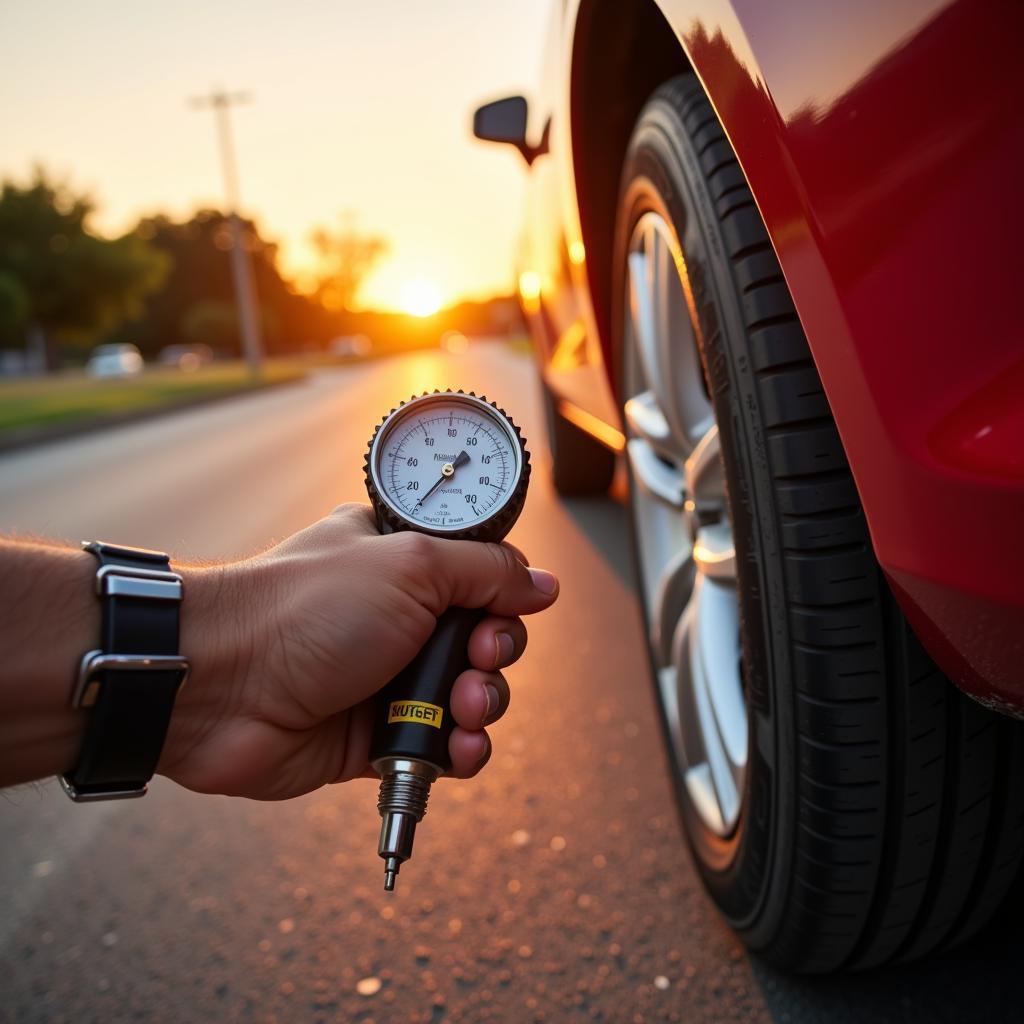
704,466
642,317
668,687
714,552
654,475
681,377
645,419
717,619
673,591
664,288
701,788
693,673
674,338
664,335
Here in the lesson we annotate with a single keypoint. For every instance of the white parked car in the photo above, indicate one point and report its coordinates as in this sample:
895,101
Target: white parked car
114,361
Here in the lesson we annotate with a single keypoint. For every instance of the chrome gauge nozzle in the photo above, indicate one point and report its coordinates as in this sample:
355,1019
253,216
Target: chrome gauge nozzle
404,790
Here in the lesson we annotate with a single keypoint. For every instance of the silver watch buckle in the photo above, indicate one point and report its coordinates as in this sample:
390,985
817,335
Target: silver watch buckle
87,685
87,690
107,794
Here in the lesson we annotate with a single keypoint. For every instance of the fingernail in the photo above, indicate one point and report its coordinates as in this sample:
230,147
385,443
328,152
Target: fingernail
492,702
545,582
485,756
504,650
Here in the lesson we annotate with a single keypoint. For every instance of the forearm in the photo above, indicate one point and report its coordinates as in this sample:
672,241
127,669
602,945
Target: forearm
50,617
286,650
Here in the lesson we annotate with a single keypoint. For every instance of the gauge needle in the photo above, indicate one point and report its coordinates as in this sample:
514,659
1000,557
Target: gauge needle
447,472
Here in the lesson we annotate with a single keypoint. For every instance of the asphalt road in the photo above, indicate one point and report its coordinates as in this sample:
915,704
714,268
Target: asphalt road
555,887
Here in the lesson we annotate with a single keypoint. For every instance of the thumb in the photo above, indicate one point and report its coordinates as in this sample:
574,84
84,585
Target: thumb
477,575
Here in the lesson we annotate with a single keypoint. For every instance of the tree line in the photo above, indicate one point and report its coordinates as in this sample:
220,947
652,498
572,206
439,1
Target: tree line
64,288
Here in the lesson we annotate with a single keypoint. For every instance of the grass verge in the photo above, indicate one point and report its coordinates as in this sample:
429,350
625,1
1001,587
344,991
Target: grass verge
47,404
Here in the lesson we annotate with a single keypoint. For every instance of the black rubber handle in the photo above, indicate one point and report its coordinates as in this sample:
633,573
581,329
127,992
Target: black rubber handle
413,716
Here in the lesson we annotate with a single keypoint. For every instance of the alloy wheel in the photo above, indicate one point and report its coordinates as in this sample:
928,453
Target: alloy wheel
686,553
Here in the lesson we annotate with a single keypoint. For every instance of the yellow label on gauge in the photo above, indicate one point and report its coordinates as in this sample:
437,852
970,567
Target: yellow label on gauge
417,711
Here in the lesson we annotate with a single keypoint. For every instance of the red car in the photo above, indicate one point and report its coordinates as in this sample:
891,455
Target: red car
773,255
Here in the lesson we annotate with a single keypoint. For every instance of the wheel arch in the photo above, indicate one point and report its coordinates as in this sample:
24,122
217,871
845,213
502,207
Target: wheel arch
608,88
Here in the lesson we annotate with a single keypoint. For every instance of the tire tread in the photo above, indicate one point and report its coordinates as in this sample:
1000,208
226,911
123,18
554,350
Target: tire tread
910,822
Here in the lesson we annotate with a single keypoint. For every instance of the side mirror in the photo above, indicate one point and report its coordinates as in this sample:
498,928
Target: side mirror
505,121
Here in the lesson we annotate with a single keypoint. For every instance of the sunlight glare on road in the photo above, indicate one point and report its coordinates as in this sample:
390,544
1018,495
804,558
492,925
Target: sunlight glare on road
419,372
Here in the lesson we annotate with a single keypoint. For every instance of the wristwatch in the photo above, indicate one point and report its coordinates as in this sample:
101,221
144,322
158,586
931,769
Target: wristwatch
131,682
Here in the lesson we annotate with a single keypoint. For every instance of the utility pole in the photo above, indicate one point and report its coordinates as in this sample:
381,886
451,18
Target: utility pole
221,102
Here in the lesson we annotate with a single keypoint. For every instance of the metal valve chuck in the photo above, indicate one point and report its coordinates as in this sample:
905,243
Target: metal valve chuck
404,790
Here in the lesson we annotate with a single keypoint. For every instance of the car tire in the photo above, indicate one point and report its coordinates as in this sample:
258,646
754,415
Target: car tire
868,811
580,465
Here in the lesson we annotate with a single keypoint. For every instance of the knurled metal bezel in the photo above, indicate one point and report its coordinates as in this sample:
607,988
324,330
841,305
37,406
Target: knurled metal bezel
495,527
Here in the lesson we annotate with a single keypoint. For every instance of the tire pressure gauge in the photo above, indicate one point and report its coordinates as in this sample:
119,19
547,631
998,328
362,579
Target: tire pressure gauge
452,465
449,464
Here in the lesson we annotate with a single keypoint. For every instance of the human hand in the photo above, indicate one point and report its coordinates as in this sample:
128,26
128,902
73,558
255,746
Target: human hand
288,649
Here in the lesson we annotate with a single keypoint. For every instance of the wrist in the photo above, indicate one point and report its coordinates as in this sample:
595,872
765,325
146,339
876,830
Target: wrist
211,640
54,611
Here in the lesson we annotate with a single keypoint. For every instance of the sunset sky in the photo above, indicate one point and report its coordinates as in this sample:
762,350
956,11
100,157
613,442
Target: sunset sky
361,106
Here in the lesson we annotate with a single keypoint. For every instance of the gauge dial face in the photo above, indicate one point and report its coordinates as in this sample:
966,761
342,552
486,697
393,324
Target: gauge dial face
446,462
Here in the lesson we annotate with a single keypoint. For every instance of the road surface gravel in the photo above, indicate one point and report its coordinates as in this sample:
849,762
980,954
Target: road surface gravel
555,887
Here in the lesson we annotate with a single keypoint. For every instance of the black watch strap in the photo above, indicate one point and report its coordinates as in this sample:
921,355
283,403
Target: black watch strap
130,684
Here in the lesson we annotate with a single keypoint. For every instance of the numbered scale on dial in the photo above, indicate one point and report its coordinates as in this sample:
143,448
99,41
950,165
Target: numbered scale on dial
448,463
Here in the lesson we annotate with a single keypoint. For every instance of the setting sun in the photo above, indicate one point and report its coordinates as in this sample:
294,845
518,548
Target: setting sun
420,298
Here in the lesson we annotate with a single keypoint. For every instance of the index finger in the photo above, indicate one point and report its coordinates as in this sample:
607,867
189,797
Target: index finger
472,574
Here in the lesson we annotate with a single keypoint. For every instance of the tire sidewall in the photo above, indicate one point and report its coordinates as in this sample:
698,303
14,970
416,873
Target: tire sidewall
747,872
